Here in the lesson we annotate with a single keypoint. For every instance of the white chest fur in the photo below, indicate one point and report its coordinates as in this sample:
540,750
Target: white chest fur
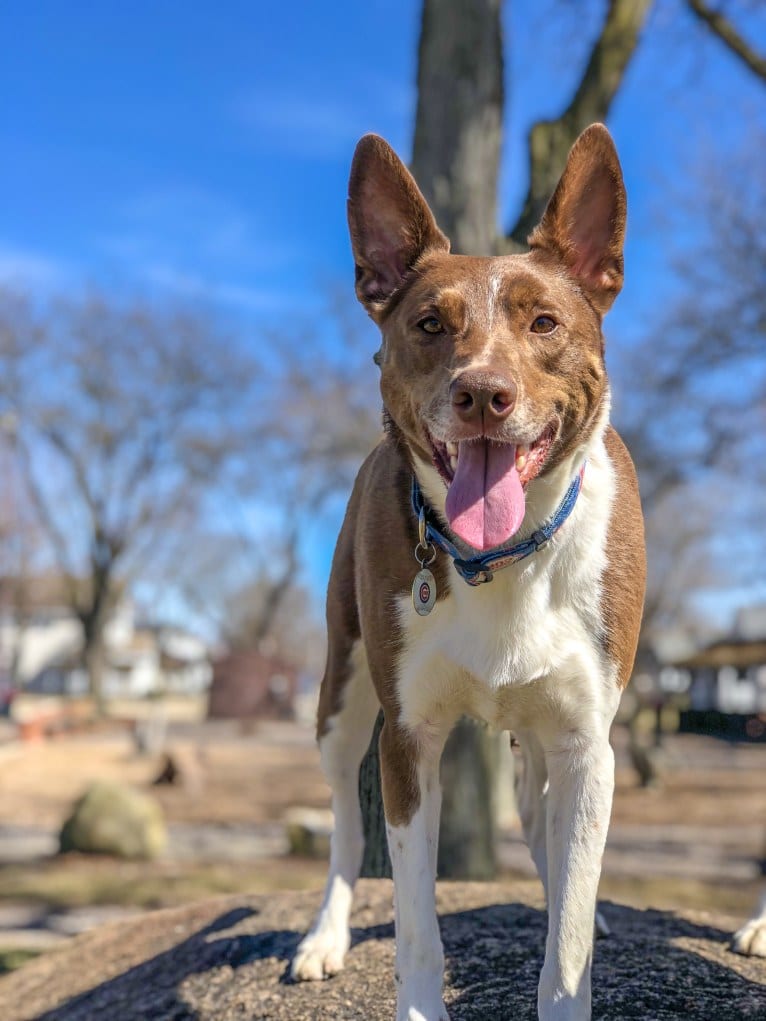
491,650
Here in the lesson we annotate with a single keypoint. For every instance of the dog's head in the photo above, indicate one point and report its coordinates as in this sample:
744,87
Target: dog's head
491,368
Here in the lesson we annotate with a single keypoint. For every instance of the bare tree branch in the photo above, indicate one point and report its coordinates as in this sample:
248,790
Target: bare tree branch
122,420
721,27
550,141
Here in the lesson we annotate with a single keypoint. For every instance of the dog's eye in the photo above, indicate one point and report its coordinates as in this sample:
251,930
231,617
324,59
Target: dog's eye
431,325
543,324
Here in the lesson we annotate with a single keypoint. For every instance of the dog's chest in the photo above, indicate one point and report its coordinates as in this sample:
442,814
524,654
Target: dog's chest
482,648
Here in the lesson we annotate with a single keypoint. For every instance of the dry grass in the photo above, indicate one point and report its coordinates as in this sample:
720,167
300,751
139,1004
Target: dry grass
75,881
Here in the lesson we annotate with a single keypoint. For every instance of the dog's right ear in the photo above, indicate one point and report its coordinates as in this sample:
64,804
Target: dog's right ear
390,223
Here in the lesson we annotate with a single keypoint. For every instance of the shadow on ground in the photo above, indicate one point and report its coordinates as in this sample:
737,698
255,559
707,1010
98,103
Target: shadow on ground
226,960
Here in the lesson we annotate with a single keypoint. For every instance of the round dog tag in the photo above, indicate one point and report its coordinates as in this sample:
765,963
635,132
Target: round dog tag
424,592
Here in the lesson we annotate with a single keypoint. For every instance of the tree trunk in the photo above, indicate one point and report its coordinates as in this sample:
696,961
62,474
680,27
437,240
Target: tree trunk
467,833
94,659
550,141
458,124
376,862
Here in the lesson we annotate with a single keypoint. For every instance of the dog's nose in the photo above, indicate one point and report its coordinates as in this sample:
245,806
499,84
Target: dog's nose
481,396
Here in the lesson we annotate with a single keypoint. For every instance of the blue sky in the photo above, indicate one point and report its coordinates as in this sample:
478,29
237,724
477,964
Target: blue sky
201,150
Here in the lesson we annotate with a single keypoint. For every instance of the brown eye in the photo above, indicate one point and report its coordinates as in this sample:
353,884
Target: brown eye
543,324
431,325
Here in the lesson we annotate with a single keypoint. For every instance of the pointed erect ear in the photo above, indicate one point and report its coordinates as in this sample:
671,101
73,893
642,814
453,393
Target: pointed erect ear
584,224
390,223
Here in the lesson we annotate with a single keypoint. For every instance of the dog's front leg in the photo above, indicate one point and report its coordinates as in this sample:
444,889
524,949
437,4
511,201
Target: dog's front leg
581,785
411,797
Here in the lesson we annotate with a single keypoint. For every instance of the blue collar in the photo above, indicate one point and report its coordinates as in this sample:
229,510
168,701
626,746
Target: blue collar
479,569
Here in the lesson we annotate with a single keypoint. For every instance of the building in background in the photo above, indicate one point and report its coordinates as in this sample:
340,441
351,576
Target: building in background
41,648
726,681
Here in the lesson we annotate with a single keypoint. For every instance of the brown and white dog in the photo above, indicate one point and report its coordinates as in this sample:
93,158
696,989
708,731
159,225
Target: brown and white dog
496,402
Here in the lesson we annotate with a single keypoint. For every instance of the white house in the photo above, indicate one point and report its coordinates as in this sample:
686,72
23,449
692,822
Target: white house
41,650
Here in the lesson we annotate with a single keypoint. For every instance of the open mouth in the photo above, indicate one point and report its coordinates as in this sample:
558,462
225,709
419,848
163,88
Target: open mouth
485,485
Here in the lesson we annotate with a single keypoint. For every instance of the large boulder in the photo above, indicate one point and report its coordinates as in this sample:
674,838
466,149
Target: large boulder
111,818
227,959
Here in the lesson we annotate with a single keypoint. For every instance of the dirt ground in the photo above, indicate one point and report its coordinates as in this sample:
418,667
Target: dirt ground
253,775
246,777
226,959
682,861
696,840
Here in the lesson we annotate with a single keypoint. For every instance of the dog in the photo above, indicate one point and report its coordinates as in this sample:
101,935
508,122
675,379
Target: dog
491,561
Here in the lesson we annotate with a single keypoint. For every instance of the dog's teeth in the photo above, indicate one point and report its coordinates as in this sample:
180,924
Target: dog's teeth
521,460
452,449
453,463
522,450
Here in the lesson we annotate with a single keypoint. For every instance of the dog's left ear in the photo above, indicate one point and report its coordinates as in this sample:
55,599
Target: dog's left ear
584,223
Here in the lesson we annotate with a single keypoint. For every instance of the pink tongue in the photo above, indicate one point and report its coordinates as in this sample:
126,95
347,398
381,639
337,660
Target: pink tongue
485,503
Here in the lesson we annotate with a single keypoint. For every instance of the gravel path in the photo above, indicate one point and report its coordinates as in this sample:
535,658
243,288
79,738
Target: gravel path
226,960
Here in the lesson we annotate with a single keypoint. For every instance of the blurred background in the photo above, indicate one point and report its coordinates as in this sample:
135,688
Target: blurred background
187,390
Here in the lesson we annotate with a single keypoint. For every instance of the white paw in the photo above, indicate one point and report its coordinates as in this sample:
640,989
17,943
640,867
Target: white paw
602,929
437,1013
319,955
751,938
417,1002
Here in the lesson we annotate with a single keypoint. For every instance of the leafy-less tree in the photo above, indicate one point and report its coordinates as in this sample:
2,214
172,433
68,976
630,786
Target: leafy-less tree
697,455
456,156
21,543
123,416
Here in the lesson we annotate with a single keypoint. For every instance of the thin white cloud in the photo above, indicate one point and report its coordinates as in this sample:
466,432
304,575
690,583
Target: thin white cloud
297,121
199,288
324,126
173,225
20,267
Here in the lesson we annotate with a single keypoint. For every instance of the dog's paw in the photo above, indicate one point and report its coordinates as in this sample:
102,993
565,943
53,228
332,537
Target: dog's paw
420,999
416,1014
320,955
751,938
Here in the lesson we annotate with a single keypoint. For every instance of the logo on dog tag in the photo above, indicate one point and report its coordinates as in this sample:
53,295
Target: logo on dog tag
424,592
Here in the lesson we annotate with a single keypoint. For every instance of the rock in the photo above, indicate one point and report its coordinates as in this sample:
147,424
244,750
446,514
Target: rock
111,818
227,960
308,832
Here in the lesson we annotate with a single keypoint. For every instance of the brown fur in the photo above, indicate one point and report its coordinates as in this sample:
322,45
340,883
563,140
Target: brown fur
625,576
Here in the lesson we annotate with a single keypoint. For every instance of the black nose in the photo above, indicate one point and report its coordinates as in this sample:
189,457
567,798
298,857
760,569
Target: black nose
481,396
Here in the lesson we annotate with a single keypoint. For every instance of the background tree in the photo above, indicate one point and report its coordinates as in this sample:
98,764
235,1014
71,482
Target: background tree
701,461
123,421
246,588
21,554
